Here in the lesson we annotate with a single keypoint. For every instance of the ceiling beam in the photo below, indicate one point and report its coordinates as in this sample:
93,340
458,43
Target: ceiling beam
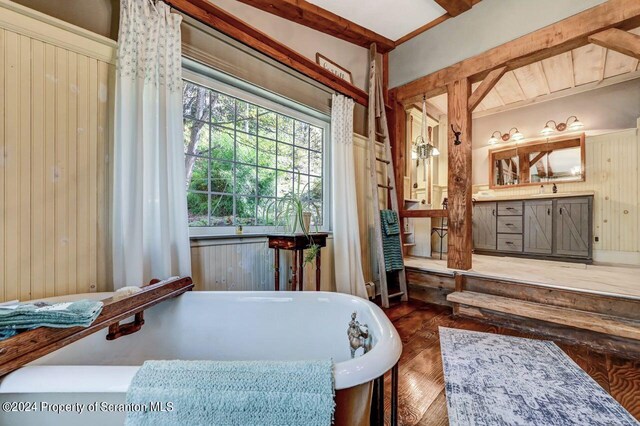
618,40
455,7
485,87
220,20
319,19
552,40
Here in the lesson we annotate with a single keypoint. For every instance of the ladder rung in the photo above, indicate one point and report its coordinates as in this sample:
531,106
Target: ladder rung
382,160
385,186
398,294
380,134
409,244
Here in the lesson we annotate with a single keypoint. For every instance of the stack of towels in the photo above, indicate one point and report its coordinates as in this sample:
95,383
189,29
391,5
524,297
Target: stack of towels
19,317
391,240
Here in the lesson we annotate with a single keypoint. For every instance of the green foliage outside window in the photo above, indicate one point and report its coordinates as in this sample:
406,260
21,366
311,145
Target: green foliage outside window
240,159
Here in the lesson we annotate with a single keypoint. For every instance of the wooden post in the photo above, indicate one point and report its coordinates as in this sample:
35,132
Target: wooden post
398,124
459,183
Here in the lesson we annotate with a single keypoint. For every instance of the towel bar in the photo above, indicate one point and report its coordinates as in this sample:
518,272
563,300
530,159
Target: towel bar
118,330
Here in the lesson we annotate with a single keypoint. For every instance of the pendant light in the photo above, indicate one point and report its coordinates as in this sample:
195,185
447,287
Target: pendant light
422,146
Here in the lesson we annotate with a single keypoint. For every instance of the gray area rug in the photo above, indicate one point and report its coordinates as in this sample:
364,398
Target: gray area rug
492,379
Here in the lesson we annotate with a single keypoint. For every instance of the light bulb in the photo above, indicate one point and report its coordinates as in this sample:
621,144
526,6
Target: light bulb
576,125
546,131
517,136
493,140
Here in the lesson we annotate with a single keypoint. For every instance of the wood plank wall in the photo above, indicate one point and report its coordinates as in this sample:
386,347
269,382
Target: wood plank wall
612,162
55,103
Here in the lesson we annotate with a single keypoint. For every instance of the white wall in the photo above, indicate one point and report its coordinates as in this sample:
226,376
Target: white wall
602,110
304,40
488,24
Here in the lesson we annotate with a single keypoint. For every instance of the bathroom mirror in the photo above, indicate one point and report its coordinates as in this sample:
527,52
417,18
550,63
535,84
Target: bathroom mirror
538,162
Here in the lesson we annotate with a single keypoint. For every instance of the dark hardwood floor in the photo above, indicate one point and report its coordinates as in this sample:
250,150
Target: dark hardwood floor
421,396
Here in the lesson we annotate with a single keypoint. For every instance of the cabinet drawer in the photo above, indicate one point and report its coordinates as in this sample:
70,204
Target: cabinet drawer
509,208
510,224
510,243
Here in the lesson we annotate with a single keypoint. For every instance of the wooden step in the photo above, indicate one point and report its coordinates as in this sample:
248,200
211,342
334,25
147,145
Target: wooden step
385,186
382,160
600,323
411,200
398,294
409,244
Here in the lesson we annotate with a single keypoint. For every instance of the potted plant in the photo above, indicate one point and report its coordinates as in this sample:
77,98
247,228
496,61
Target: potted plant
293,212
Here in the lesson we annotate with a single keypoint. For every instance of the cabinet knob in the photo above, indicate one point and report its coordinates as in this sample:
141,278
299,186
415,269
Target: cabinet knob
548,212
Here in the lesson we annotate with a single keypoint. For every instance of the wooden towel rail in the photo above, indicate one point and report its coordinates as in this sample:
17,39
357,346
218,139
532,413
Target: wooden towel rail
33,344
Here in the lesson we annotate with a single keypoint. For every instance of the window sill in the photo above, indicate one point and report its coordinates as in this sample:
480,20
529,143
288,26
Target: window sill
196,238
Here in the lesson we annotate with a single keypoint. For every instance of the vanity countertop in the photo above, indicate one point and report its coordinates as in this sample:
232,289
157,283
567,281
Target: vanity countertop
496,196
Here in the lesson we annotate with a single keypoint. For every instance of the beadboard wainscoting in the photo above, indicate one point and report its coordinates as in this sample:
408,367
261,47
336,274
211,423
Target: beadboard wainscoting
55,124
246,264
612,162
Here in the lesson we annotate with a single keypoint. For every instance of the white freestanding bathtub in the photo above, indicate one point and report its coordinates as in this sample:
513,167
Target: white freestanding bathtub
204,326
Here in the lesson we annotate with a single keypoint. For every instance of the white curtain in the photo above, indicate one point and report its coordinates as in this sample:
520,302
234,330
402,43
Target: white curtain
150,231
346,233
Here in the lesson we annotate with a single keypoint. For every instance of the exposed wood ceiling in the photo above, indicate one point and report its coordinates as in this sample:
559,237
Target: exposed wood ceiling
455,7
580,69
382,21
312,16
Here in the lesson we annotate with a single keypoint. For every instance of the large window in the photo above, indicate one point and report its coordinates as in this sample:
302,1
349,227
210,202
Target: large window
242,157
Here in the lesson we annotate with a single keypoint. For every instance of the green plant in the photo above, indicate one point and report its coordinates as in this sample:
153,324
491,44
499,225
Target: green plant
288,212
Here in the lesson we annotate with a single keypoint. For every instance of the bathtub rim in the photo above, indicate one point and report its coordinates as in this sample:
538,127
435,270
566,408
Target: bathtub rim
352,372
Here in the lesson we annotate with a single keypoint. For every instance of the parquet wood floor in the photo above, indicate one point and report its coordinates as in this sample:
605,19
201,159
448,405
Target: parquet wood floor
421,393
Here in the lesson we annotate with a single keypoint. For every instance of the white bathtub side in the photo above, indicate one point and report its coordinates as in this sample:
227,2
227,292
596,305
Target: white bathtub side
221,326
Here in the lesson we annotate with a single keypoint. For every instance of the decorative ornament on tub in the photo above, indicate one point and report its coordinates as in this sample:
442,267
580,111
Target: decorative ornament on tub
359,336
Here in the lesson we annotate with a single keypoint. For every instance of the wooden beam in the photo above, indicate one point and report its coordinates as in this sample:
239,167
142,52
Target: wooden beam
319,19
398,136
33,344
422,29
424,213
621,41
485,87
455,7
218,19
459,183
549,41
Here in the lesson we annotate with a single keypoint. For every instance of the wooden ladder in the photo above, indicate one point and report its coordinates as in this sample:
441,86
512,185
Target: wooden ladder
378,121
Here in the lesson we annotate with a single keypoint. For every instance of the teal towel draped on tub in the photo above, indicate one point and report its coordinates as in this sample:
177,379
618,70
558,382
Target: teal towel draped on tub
26,316
391,245
243,393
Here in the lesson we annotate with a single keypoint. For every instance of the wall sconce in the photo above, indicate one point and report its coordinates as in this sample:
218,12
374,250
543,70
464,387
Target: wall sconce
572,123
513,134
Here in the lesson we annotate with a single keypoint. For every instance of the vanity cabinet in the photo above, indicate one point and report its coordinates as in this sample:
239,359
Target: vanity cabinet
538,225
555,228
484,226
573,226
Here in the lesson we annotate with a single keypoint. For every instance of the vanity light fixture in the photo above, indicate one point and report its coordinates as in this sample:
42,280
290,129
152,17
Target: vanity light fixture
572,123
513,134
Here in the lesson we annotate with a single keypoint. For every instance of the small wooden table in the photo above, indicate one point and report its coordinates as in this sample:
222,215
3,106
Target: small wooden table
298,243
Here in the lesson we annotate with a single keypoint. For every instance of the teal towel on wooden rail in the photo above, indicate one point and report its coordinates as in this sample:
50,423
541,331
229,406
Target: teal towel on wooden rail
243,393
26,316
391,240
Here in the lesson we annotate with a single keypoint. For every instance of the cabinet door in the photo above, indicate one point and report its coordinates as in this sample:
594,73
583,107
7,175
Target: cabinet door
538,226
484,226
573,222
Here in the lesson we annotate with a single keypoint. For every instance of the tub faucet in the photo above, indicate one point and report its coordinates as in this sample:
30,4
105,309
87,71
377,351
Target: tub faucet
359,336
